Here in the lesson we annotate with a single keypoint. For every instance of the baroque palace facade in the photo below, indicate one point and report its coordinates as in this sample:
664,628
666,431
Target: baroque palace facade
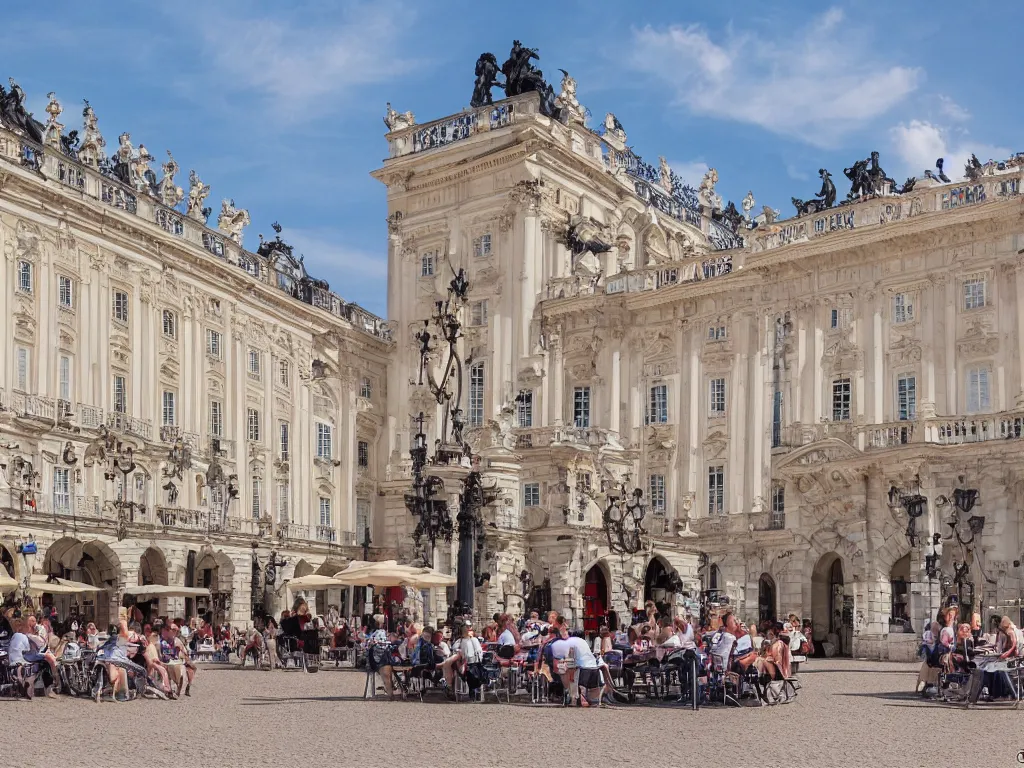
172,406
786,393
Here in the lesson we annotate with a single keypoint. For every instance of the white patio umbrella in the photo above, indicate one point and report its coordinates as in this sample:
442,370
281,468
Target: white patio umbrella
39,585
313,582
7,584
165,590
390,573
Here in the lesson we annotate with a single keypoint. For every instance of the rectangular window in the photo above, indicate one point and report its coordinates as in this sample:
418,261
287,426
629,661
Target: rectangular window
284,440
217,418
363,453
902,308
531,494
170,323
978,399
120,395
482,245
716,490
974,293
61,489
906,398
524,408
776,419
284,373
255,364
168,409
25,276
717,333
23,366
64,375
214,344
657,491
282,502
325,512
840,317
476,395
835,319
427,264
121,307
365,389
253,421
717,401
257,498
324,440
65,292
363,522
841,400
581,407
657,404
478,313
778,518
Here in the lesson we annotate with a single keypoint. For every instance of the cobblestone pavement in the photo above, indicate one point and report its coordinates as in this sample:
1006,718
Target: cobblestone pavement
853,713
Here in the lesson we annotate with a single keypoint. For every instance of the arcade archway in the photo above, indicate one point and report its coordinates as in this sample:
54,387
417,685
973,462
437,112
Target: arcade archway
658,585
595,599
215,572
92,562
766,598
831,607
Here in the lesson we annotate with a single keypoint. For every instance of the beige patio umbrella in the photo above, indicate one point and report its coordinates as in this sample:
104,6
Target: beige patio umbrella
390,573
39,585
313,582
426,578
7,584
164,590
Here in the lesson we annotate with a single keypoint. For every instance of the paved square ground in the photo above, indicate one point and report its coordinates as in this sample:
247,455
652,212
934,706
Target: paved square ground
854,713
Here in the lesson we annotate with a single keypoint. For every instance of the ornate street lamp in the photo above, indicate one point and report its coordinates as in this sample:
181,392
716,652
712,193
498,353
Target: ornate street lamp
962,503
914,504
623,521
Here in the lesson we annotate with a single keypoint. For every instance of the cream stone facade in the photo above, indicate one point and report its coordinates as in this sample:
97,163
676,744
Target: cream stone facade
765,386
171,403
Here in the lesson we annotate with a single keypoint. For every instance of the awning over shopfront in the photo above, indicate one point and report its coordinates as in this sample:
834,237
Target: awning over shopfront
150,591
42,585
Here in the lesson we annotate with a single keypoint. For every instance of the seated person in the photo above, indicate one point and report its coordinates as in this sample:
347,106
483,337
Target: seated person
959,657
587,672
154,666
777,657
509,640
21,651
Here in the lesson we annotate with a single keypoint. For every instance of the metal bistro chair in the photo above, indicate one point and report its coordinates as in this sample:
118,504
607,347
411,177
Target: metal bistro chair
497,679
720,689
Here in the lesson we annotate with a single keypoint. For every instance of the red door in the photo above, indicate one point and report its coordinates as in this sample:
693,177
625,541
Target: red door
595,600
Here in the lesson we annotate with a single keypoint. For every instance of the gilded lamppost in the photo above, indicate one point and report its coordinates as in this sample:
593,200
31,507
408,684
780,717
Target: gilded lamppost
623,520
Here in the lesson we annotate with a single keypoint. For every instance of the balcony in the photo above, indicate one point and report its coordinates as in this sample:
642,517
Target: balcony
169,433
222,448
890,435
294,531
975,429
89,416
33,406
326,533
129,425
183,519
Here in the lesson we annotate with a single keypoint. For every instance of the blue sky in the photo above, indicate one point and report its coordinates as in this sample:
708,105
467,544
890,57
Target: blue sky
279,105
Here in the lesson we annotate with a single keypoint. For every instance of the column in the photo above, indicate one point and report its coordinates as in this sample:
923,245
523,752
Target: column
928,311
877,412
760,389
557,373
696,454
615,390
1019,286
802,405
952,401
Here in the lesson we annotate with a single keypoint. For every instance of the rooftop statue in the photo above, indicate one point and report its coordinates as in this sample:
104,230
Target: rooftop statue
825,198
706,191
486,78
972,168
614,134
53,133
867,178
941,174
122,158
748,204
396,121
170,193
197,192
567,100
14,116
142,175
92,150
731,217
522,77
232,220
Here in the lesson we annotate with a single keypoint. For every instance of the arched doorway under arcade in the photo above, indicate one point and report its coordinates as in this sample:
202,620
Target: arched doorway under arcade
831,606
93,563
215,572
152,570
766,599
595,599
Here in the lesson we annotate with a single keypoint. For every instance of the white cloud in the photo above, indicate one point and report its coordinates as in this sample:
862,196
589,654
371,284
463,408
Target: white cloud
797,173
692,172
304,69
919,143
325,251
821,84
951,110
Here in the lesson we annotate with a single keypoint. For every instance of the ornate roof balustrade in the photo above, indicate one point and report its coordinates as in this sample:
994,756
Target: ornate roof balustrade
101,183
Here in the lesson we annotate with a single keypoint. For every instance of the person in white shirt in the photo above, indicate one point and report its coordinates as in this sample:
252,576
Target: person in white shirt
723,641
588,673
465,651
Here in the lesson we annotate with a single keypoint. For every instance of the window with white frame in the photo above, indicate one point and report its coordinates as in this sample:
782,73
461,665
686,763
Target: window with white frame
778,516
365,388
120,395
364,522
65,291
257,498
478,312
717,333
61,489
325,512
531,494
977,388
23,359
64,378
840,317
581,407
282,502
363,453
716,404
253,422
974,293
217,418
476,395
427,264
657,494
716,490
841,397
120,308
216,496
284,373
168,409
255,367
657,404
482,245
524,408
283,439
214,344
906,397
170,324
324,441
902,308
25,276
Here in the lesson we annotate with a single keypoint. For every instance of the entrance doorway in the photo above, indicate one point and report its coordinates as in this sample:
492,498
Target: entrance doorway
659,586
766,599
831,607
595,599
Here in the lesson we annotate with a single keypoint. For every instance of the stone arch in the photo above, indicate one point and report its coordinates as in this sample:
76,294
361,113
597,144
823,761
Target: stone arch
829,579
767,598
153,567
657,574
597,593
8,560
62,556
899,591
214,570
